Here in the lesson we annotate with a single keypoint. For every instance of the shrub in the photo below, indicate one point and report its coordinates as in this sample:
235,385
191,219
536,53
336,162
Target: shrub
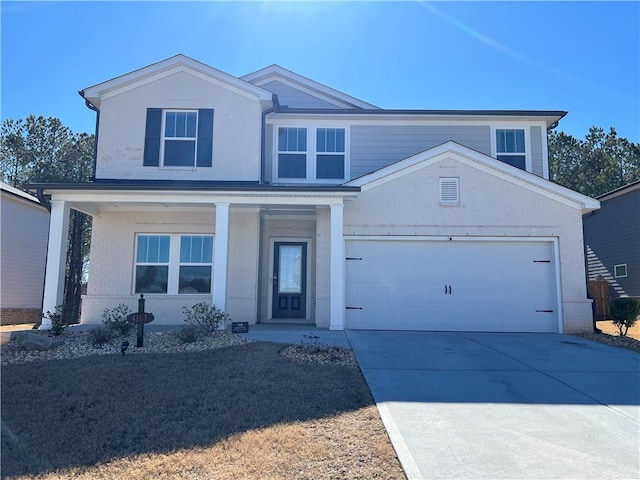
208,318
189,333
116,319
624,313
100,335
57,321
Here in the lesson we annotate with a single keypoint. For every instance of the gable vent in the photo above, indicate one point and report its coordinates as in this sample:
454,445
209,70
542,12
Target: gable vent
449,190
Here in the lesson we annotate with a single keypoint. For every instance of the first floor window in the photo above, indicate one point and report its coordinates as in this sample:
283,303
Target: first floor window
152,263
173,264
510,147
195,264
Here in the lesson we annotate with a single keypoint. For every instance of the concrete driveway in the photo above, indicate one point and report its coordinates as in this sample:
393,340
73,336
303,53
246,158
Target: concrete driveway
513,406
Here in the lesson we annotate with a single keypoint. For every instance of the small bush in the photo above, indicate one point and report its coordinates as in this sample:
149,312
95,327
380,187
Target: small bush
57,321
208,318
100,335
624,313
189,333
116,319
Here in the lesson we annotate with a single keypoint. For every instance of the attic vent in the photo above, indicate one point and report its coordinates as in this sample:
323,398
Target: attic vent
449,190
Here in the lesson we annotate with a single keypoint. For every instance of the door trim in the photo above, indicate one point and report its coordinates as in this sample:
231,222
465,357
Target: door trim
272,242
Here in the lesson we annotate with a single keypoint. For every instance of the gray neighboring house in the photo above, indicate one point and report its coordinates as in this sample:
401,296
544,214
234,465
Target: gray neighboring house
612,240
24,233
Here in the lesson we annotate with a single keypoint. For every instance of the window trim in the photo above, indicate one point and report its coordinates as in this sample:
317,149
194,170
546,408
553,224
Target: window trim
312,153
527,142
174,263
626,271
164,138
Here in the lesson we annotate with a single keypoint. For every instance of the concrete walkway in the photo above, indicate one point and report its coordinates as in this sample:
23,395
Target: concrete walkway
512,406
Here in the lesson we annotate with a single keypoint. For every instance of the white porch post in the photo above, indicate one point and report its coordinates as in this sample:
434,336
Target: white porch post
56,259
220,256
337,305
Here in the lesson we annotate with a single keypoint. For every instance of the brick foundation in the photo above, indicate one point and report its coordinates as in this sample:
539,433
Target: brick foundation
14,316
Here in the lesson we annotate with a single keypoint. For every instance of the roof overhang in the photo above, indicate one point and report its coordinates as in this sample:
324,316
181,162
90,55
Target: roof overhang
170,66
549,117
95,197
276,72
481,162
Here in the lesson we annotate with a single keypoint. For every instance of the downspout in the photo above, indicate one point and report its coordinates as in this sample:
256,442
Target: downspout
95,136
275,108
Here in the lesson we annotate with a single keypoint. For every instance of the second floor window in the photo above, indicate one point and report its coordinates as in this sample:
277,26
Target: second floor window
180,129
178,138
311,154
292,152
510,147
330,153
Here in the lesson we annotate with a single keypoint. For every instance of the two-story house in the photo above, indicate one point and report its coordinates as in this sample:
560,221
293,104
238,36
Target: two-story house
280,199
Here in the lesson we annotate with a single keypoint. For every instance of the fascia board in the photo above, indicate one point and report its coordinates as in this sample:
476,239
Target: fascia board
276,72
481,162
202,197
179,63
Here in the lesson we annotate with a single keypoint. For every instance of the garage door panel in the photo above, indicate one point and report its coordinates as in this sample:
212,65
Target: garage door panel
456,285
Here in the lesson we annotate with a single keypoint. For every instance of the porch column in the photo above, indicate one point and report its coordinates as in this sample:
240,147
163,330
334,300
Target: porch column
337,305
56,259
220,256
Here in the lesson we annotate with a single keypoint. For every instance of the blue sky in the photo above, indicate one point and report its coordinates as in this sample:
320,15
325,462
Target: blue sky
583,57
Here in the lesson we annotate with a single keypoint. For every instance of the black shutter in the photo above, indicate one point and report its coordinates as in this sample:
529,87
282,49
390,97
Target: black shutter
205,137
152,137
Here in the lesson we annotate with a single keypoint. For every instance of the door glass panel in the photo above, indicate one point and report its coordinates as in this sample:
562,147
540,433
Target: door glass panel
290,269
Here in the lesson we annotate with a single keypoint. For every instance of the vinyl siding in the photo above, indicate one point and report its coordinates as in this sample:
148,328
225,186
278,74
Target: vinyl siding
376,146
268,152
25,227
294,98
611,238
537,164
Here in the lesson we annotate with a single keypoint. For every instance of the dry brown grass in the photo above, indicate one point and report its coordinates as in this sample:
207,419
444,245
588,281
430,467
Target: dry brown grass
235,413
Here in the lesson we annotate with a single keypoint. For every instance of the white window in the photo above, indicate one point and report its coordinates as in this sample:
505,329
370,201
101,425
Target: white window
173,264
292,153
152,264
449,190
510,147
311,154
180,138
330,153
620,271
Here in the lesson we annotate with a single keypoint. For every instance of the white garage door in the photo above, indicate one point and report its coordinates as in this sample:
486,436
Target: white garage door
457,285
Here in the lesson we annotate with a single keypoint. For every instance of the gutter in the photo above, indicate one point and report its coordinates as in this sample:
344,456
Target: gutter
95,136
275,108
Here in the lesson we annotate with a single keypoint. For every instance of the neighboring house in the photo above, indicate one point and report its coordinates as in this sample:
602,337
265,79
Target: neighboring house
612,240
280,199
23,252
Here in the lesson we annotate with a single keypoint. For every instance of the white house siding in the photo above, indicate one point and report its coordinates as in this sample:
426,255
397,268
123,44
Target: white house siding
25,227
410,205
112,261
236,130
376,146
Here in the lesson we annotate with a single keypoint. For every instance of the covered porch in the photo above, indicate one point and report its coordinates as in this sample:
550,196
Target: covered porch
252,227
